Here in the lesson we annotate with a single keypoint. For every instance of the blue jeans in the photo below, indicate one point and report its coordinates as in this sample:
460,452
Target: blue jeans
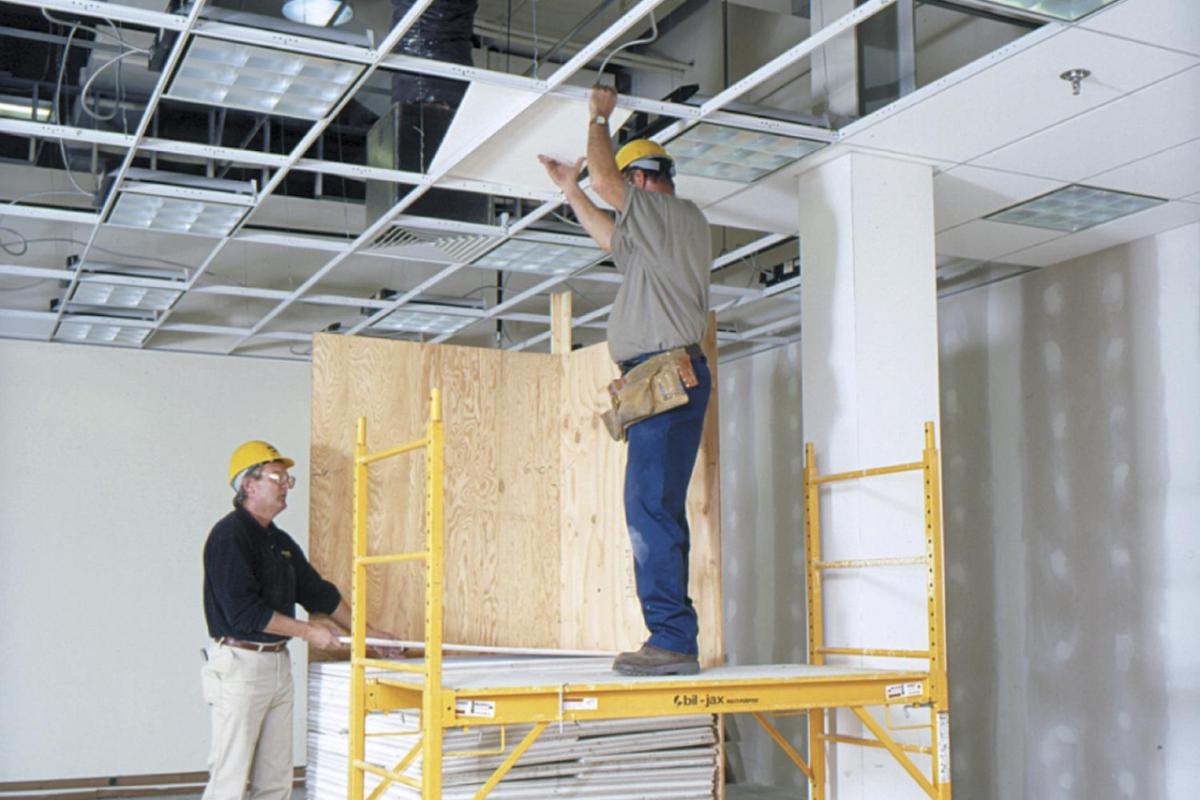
662,452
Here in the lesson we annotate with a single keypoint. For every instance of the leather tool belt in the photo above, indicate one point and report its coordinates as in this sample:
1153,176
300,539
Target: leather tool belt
658,384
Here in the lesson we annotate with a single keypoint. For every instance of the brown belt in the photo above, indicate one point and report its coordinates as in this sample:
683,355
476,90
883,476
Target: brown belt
258,647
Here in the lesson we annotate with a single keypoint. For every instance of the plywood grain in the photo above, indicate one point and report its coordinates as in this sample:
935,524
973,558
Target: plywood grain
537,552
497,579
600,607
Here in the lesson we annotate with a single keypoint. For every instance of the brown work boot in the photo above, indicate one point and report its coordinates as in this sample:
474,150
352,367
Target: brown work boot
651,660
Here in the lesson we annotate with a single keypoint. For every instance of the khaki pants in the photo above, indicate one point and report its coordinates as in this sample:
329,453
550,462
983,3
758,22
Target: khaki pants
251,698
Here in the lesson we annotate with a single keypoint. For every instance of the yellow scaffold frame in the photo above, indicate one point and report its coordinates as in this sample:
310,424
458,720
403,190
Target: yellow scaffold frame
936,786
758,691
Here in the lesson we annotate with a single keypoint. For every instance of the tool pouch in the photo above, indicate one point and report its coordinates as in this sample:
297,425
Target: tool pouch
658,384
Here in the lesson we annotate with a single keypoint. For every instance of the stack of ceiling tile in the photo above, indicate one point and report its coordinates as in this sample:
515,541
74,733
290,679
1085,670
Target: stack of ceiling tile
666,758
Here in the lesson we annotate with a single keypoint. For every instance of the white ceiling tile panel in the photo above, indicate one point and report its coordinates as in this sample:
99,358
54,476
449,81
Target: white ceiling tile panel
1020,96
1167,23
1127,229
1173,173
553,126
966,193
1160,116
989,241
772,205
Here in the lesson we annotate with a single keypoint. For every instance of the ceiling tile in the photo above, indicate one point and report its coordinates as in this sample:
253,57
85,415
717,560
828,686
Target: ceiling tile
1193,198
1166,23
989,241
1172,173
1152,119
1146,223
967,193
554,126
705,191
1019,96
771,205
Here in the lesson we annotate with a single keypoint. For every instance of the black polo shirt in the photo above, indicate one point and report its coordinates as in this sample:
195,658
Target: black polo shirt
251,571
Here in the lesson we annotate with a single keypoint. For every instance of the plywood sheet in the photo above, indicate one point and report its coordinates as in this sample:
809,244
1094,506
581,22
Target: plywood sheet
537,552
501,556
600,607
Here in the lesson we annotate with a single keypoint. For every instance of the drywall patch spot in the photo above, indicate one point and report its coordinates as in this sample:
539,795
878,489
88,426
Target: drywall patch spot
1063,650
1120,476
1065,734
1115,352
950,402
1062,492
1052,355
1120,557
1058,564
1113,293
1053,299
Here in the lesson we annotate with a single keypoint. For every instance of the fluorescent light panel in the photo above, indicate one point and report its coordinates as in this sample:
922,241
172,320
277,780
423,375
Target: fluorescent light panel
317,12
98,293
23,108
421,322
1074,208
545,258
178,215
259,79
1069,10
715,151
93,333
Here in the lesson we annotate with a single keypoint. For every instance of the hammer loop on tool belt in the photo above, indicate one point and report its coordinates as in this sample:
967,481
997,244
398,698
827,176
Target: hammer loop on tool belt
658,384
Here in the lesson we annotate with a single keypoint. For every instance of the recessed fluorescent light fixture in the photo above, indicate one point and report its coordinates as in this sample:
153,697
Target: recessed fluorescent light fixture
318,12
230,75
156,200
543,257
1075,208
24,108
732,154
93,292
95,333
1069,10
421,322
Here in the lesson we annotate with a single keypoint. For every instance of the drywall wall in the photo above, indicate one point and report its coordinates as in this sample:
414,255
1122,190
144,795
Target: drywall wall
1072,493
762,545
112,472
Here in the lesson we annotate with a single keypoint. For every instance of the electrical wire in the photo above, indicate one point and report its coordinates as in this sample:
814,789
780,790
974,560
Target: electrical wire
653,35
91,112
62,68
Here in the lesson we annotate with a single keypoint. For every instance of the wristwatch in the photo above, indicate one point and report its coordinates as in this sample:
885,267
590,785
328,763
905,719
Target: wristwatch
600,119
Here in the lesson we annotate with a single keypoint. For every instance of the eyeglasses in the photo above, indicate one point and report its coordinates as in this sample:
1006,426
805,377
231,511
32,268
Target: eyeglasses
281,478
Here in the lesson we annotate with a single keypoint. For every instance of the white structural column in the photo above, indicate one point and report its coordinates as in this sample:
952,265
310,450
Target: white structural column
870,382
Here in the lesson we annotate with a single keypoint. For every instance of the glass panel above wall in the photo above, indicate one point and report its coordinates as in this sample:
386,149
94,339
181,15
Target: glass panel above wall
1067,10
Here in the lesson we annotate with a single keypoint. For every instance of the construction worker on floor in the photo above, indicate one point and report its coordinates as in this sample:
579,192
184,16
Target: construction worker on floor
661,246
254,574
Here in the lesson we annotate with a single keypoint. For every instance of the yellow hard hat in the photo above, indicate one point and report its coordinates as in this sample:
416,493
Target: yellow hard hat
644,154
253,453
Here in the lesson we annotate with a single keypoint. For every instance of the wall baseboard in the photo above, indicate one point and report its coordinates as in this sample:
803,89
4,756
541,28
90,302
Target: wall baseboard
152,785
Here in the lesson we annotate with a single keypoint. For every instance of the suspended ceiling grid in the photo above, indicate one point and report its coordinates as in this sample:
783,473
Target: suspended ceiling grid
982,128
511,101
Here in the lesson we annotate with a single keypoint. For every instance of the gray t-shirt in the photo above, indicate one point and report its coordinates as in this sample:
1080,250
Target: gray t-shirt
661,246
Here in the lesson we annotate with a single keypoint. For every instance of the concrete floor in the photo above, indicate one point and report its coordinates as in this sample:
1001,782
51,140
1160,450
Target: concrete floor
731,793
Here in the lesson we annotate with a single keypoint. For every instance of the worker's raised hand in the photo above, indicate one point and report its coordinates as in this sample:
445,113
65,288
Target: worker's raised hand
321,637
563,175
602,101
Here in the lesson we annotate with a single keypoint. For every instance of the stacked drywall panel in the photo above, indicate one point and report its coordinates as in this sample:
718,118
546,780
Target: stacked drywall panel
666,758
